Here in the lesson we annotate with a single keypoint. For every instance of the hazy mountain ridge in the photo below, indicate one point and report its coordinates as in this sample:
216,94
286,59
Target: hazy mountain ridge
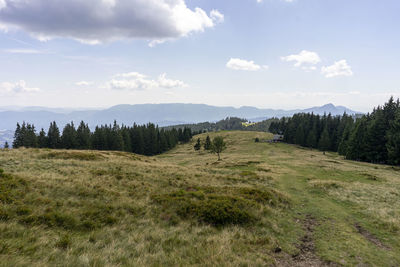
161,114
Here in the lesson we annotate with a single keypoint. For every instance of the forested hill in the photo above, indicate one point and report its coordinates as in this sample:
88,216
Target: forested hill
372,138
230,123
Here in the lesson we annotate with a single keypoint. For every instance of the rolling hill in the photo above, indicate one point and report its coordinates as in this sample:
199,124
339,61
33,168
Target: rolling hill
263,204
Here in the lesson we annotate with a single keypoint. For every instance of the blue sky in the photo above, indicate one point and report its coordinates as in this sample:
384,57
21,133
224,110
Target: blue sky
270,54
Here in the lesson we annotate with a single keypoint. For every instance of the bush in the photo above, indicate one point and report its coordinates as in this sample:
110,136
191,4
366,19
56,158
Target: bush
217,210
72,155
223,211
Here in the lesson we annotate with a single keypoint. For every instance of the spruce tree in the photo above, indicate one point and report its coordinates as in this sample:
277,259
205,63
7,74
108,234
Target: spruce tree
324,142
197,146
83,136
116,139
393,141
30,138
53,136
127,139
312,137
68,138
42,139
17,137
207,144
137,141
356,146
375,139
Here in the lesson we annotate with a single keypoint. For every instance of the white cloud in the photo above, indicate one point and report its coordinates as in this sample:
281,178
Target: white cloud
94,21
339,68
241,64
23,51
137,81
17,87
168,83
217,16
3,4
84,83
303,58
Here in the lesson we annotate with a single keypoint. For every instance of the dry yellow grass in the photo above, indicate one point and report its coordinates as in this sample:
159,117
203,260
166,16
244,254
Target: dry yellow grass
91,208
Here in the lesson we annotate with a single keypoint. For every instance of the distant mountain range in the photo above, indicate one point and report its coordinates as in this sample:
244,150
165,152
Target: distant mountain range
161,114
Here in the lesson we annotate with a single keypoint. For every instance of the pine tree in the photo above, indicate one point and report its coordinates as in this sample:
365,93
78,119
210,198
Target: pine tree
53,136
343,145
312,137
375,138
116,139
137,141
300,138
6,145
127,139
207,144
42,139
324,141
83,136
393,141
68,138
197,146
17,137
30,138
356,149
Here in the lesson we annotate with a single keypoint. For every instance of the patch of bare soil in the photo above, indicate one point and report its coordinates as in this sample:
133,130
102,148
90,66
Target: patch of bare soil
306,255
370,237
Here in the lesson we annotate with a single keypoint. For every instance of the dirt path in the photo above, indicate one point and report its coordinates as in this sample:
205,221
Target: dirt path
306,255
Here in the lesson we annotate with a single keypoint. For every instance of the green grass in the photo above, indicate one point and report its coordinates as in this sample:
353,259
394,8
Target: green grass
253,208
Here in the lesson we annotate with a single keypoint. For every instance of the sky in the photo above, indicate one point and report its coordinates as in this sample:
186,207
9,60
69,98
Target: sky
282,54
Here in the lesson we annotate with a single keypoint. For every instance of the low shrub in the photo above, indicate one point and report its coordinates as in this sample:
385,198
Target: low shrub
72,155
206,207
223,211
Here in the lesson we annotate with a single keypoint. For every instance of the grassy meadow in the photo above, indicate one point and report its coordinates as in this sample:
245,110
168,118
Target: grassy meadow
262,205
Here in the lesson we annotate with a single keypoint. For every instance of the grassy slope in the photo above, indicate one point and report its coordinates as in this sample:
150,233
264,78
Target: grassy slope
102,208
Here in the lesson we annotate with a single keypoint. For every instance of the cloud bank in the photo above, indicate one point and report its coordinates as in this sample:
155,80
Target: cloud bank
17,87
98,21
135,81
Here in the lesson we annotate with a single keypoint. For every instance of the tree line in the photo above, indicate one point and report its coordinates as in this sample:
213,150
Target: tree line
146,139
229,123
374,137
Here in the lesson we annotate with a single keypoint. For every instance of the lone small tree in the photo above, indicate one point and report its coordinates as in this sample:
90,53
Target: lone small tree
197,146
218,145
6,145
207,144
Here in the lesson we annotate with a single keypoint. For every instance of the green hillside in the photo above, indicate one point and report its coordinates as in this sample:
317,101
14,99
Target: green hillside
263,204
